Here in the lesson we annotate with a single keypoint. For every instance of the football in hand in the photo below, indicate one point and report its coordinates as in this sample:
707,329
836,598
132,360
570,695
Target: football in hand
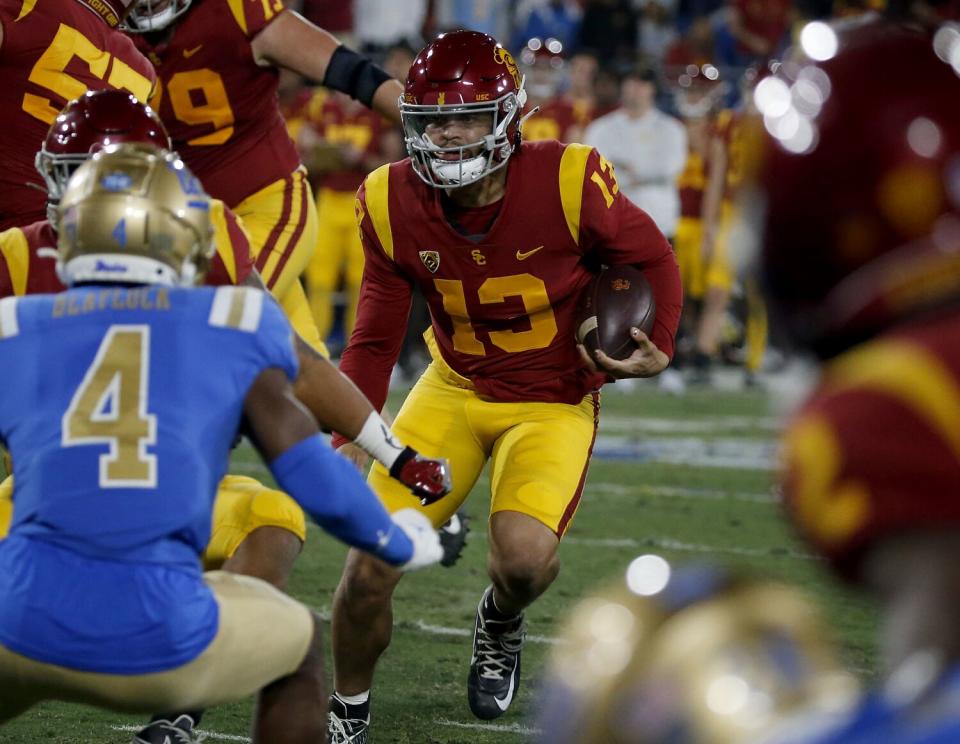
616,300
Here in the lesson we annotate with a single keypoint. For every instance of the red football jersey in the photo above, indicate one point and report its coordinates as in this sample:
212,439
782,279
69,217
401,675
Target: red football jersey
504,308
344,122
691,184
52,52
876,450
219,106
557,119
24,271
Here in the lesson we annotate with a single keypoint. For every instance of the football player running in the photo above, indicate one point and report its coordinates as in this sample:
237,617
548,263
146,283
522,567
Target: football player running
862,268
499,237
118,455
257,530
50,53
218,66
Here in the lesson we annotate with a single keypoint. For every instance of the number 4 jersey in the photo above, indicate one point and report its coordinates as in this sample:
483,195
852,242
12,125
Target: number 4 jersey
119,407
52,52
504,304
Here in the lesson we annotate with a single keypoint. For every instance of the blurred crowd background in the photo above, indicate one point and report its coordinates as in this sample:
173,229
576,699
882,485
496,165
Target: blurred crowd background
657,86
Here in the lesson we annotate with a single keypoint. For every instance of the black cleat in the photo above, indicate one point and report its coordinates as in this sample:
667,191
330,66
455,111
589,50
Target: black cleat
495,667
453,537
348,723
179,731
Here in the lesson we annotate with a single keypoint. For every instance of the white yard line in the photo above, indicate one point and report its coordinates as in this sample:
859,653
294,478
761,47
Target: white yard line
670,544
636,425
695,494
207,732
506,728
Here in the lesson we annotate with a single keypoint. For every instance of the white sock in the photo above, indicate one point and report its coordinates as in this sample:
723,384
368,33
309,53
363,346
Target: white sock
358,699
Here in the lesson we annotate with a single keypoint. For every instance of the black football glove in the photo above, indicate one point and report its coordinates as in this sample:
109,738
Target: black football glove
429,480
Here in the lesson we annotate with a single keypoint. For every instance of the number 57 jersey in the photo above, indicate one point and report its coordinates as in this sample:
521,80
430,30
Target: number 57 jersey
52,52
503,304
119,407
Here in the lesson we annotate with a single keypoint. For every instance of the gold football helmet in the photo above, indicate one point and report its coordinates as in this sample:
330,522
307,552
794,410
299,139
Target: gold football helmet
134,214
696,656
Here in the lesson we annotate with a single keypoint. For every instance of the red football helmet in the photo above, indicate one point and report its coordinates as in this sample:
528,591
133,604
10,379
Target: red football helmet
542,62
154,15
698,90
861,174
88,124
462,73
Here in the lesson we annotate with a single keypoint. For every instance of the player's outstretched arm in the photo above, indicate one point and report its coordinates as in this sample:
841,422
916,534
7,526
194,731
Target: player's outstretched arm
339,405
326,485
291,41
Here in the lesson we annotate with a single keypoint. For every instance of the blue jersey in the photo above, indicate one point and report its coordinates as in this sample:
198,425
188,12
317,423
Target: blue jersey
930,718
119,407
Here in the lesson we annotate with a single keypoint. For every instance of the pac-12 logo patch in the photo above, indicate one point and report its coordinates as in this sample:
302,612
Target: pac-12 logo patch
431,259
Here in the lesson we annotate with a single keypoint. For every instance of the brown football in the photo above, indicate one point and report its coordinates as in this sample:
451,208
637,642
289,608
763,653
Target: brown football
619,298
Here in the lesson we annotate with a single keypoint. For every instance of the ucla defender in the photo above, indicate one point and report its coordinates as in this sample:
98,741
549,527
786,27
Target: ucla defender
118,454
499,237
218,66
862,269
50,53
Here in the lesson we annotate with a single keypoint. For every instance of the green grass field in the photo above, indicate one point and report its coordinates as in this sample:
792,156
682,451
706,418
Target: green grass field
689,478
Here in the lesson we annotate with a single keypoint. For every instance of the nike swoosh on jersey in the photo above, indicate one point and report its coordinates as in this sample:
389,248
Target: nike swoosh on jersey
526,254
188,53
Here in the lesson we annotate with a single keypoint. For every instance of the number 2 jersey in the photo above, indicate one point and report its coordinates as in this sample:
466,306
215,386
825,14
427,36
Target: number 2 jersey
503,306
119,408
52,52
219,106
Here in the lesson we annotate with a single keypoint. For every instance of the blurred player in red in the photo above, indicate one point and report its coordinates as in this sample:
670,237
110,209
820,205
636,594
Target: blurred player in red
218,63
861,262
257,530
500,237
50,53
559,117
341,141
705,184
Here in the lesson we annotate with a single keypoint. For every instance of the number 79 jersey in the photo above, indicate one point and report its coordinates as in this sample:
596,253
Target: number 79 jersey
503,308
119,407
219,106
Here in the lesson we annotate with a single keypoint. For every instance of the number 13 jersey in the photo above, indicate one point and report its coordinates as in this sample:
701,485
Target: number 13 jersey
503,307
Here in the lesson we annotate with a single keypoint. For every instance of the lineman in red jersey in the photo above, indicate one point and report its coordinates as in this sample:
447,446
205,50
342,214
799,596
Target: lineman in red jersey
218,67
50,53
557,116
498,237
342,141
861,267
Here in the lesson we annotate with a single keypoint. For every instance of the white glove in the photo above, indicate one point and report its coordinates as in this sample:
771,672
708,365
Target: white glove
426,541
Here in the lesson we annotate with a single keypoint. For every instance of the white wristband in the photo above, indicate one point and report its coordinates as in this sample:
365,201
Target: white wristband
376,439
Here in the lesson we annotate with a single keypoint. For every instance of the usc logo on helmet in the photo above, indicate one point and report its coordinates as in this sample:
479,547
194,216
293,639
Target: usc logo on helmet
504,57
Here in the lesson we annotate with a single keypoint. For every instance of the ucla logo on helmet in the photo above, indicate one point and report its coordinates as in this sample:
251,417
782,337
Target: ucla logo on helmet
504,57
116,181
